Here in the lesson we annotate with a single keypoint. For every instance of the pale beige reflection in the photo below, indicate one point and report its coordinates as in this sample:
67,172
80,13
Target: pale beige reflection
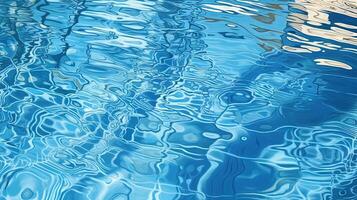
317,15
222,6
316,22
332,63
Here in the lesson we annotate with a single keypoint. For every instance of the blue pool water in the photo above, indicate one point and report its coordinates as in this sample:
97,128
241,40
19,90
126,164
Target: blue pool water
178,99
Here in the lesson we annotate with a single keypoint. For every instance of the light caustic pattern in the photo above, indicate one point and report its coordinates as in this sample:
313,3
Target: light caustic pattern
178,99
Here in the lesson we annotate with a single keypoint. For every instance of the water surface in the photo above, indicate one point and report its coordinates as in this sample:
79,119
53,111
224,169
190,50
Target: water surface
178,99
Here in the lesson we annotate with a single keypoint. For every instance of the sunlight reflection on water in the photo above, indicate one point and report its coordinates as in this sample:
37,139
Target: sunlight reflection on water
181,99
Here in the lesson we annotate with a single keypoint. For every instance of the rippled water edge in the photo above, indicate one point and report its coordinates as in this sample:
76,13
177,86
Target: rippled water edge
178,100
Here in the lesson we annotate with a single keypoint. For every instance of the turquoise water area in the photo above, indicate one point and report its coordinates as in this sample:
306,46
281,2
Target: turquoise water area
178,99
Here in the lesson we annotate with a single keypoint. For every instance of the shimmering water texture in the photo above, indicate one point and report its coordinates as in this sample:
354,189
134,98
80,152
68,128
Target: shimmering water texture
178,99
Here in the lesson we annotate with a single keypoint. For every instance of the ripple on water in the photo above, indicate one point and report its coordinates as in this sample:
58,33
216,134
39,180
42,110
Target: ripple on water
178,99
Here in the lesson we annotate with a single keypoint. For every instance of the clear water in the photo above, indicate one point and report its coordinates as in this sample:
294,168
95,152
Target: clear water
178,99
